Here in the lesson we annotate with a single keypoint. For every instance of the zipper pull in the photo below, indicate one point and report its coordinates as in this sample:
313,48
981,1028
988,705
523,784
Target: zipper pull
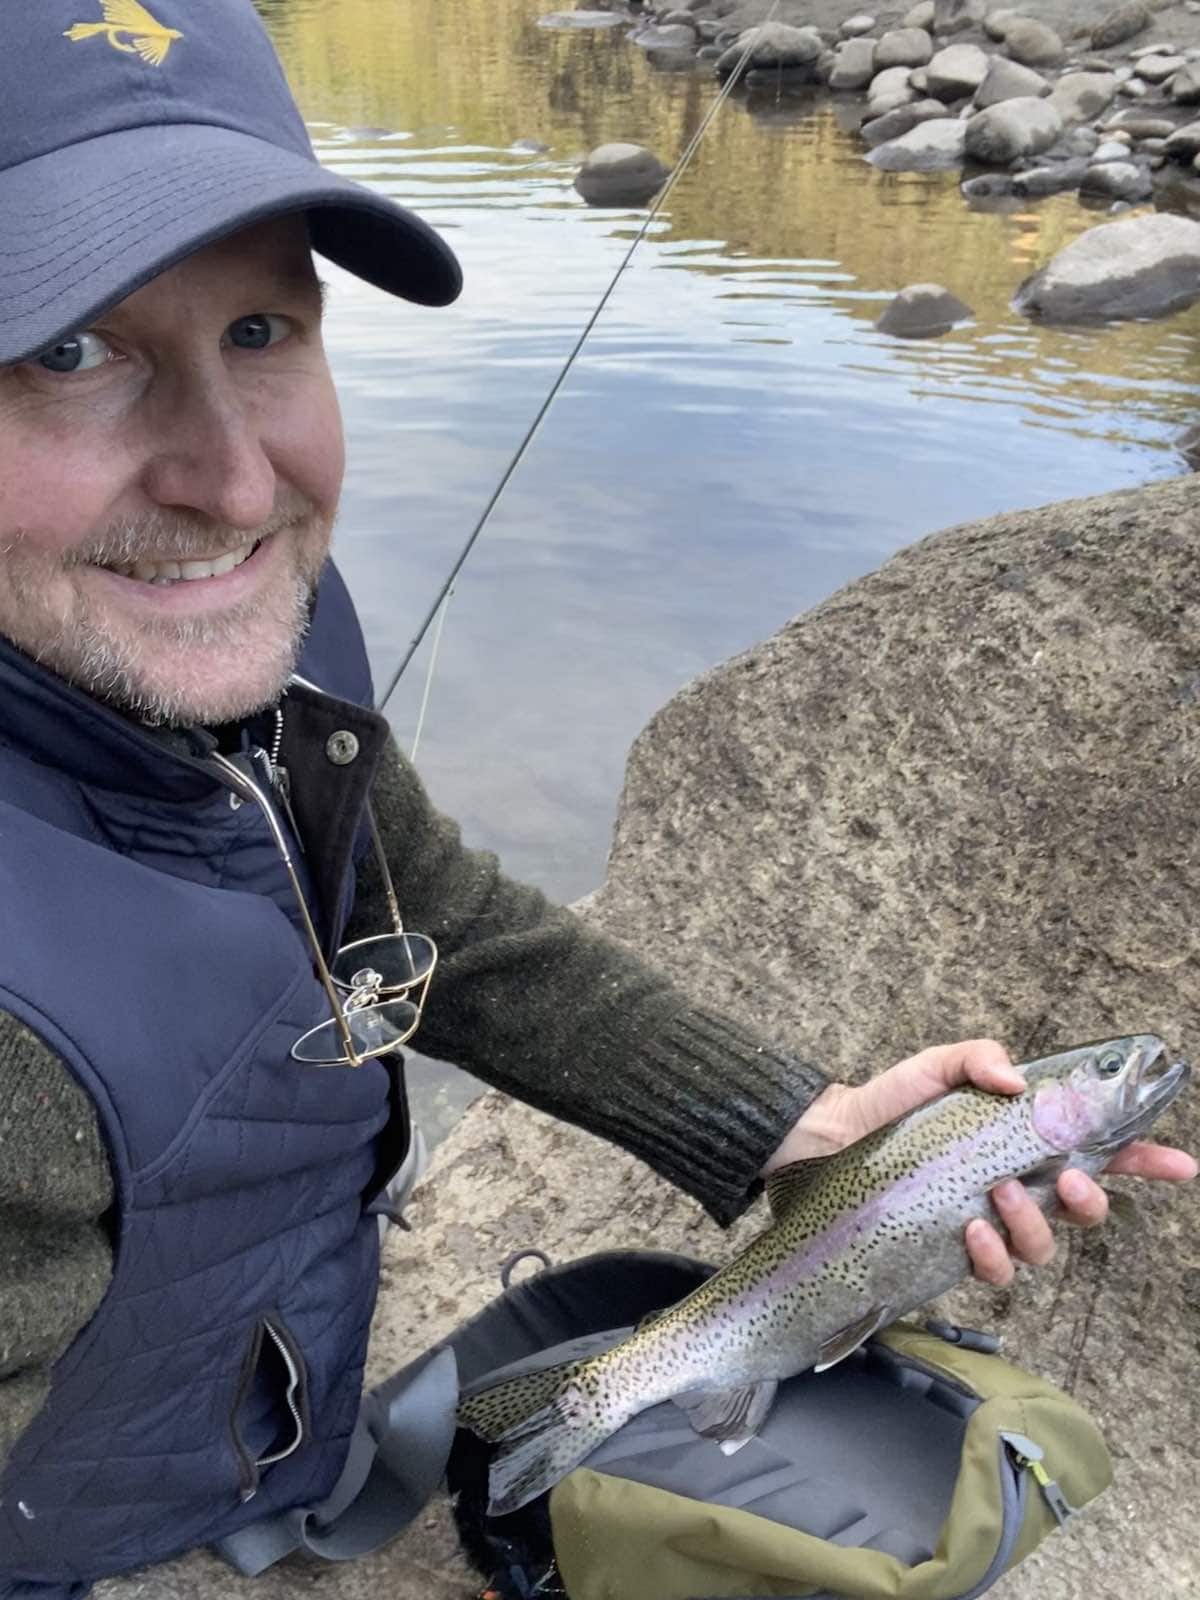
1030,1457
281,782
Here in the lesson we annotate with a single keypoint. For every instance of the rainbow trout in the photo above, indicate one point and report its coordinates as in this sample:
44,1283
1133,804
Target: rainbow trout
857,1239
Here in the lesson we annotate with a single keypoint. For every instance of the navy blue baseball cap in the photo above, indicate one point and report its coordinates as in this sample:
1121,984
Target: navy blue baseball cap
133,134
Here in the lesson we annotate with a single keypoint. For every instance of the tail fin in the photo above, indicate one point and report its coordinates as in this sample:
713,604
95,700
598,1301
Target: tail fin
546,1423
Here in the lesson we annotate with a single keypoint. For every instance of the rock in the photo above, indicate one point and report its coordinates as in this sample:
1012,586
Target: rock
1135,89
892,80
674,37
1008,80
582,19
996,22
1183,143
1185,86
918,80
894,124
922,311
853,65
1119,25
1035,183
1014,128
1032,43
903,47
1077,142
1157,69
1113,150
1118,180
1082,96
933,146
1152,50
1140,125
528,147
955,16
853,27
988,186
682,19
998,759
777,44
1144,267
957,71
620,175
921,16
895,101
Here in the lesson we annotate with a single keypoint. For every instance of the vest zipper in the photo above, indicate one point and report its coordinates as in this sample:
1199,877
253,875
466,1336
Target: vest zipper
291,1395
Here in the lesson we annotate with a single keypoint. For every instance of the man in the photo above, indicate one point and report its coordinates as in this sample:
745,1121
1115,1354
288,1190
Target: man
188,1256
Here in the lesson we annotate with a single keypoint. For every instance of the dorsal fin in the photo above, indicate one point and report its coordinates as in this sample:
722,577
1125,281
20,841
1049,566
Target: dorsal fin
788,1187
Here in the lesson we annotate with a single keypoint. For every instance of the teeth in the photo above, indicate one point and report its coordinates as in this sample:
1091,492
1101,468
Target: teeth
162,572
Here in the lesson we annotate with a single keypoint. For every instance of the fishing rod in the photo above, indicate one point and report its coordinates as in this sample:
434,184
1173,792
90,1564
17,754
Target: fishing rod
443,593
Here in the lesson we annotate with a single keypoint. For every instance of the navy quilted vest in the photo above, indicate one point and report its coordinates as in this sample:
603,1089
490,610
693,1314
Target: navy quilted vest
220,1378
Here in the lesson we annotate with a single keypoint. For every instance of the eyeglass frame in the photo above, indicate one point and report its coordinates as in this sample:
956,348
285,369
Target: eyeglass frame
362,996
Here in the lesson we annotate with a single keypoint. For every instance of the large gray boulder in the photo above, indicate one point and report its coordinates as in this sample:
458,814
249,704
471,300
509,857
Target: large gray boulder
1138,267
1032,43
775,44
954,799
1119,25
853,65
903,47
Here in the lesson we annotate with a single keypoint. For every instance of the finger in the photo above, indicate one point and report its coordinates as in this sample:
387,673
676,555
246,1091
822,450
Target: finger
1084,1203
990,1260
1029,1235
930,1073
1142,1160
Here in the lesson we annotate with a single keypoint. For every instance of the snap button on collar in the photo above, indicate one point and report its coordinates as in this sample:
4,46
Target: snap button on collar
341,748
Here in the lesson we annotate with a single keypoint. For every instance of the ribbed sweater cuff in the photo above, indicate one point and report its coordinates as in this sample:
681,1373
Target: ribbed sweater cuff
708,1104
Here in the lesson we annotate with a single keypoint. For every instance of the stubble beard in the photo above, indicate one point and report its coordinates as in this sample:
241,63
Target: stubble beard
166,672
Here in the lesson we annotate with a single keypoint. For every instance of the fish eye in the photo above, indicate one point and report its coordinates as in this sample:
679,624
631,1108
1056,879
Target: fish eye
78,352
1110,1063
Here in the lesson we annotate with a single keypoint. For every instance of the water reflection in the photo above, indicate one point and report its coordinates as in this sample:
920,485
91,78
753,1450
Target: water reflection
737,440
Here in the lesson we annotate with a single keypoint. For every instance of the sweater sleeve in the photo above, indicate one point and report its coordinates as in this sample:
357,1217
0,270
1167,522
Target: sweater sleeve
55,1188
530,999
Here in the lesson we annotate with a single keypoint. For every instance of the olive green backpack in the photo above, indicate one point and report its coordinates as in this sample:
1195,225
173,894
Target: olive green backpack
923,1467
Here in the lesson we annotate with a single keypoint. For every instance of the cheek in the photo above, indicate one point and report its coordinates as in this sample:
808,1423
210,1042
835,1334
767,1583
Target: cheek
56,486
307,446
1063,1117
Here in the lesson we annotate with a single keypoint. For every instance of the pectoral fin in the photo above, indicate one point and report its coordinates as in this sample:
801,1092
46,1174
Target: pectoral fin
847,1340
731,1416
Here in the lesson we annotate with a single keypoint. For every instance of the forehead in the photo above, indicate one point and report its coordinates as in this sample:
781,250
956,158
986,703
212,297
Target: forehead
273,255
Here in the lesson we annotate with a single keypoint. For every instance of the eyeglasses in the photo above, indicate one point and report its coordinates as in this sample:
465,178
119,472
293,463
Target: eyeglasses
376,986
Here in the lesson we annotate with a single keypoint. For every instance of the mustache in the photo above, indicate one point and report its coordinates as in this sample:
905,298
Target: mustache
183,535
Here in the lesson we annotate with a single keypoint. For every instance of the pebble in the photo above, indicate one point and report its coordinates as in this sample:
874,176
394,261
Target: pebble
855,27
1152,50
1157,69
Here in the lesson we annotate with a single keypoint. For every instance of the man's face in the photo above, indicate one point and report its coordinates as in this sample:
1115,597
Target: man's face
168,483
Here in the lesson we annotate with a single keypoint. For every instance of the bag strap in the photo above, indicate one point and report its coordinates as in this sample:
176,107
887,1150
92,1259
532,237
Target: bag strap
398,1453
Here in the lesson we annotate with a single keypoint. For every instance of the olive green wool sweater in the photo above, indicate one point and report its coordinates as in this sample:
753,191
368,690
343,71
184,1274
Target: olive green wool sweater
525,996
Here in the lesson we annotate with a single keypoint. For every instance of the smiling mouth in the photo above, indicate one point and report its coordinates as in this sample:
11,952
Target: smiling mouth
170,572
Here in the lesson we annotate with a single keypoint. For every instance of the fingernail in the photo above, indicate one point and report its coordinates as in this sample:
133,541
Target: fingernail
1075,1187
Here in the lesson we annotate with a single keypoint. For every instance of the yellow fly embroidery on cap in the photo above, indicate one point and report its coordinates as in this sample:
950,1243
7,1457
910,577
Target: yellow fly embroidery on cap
147,37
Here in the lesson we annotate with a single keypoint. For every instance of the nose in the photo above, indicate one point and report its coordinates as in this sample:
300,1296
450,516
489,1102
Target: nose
205,450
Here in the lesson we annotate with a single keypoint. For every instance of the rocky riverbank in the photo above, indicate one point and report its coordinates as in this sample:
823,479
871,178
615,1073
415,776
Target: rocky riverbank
1025,102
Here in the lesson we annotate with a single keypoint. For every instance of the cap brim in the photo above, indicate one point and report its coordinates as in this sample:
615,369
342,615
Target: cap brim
83,227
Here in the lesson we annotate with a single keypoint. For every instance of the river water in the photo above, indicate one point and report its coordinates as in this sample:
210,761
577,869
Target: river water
736,441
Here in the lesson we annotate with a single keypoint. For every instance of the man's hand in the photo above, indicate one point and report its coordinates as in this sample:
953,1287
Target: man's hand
842,1114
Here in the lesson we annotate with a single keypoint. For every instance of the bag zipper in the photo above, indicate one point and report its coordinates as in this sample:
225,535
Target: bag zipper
291,1395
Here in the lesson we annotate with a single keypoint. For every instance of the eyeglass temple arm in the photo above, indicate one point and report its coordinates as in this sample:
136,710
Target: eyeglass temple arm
384,871
247,785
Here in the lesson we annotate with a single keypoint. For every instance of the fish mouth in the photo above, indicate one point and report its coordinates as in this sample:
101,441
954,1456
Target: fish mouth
1152,1085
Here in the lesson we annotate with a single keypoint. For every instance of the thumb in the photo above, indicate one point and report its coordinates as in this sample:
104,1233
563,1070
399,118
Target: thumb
923,1077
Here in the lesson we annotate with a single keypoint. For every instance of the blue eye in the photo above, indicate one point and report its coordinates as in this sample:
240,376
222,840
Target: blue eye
80,352
1110,1063
259,331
